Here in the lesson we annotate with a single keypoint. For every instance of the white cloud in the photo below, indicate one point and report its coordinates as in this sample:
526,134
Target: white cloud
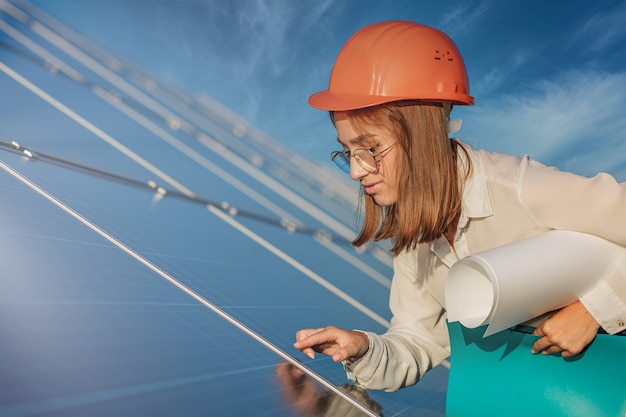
265,34
497,75
463,15
575,121
602,30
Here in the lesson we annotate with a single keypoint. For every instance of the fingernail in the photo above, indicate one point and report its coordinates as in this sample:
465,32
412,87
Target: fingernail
311,355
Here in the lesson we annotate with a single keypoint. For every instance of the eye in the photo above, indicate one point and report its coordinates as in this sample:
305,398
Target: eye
373,148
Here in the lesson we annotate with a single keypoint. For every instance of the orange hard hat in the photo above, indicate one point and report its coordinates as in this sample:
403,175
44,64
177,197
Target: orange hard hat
392,61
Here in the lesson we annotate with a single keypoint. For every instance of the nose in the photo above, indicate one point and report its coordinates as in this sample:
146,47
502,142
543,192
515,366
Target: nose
356,170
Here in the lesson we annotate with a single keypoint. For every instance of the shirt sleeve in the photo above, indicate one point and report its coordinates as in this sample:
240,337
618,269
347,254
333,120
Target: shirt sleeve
597,205
417,339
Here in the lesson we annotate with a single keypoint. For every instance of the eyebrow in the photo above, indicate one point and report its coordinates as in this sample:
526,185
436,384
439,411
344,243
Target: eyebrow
358,139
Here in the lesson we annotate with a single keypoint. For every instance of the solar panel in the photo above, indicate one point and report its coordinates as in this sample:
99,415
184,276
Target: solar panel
158,253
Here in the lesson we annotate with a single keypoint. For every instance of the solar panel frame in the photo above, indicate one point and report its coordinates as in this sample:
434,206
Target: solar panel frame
173,234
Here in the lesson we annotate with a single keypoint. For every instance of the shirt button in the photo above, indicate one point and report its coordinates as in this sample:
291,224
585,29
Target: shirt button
620,323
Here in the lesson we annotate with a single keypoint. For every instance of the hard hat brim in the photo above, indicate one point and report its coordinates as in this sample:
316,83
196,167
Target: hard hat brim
325,100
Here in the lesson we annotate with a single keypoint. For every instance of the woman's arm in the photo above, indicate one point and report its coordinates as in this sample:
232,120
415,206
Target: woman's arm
561,200
418,337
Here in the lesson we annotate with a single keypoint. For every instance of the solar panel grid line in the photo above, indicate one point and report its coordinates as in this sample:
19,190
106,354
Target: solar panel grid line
297,159
179,95
96,130
102,71
118,64
172,280
12,9
362,266
186,150
281,190
185,106
131,393
110,74
245,165
234,159
223,143
30,154
324,239
277,187
93,129
202,160
368,271
379,279
296,180
227,132
383,255
299,266
187,114
198,158
154,85
48,58
268,152
204,107
69,401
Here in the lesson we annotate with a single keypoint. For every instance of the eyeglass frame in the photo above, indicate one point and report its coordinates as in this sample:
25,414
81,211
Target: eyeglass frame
344,162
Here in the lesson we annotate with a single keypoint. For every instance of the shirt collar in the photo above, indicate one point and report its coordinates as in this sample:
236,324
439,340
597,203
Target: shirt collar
476,202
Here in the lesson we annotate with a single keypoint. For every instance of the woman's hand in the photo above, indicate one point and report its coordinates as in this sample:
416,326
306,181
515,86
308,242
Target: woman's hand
332,341
568,331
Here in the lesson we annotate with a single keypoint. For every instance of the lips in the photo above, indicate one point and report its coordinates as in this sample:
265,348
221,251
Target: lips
373,187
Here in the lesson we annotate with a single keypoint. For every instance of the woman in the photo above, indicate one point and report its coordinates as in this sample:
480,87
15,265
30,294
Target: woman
390,94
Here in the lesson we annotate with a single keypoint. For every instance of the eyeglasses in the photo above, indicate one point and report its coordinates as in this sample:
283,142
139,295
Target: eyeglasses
364,156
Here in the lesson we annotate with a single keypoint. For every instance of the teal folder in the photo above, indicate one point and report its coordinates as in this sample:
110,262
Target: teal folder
498,376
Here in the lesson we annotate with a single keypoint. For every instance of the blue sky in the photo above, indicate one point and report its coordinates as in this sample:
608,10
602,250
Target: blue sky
548,77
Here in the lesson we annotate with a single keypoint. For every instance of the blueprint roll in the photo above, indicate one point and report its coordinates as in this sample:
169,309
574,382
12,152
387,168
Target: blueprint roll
514,283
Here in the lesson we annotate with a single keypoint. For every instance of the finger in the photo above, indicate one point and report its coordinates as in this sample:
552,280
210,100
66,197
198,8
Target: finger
573,349
304,347
311,344
538,332
314,339
309,352
304,333
568,354
540,345
552,350
341,355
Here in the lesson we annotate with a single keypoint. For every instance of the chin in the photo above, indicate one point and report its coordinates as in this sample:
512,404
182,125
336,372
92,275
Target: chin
383,201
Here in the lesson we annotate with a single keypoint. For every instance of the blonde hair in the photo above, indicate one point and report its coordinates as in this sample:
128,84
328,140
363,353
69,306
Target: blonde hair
429,181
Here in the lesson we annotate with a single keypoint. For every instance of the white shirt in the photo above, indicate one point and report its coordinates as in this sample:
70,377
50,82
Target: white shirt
505,199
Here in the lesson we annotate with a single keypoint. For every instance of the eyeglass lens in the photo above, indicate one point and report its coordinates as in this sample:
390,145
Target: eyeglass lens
363,156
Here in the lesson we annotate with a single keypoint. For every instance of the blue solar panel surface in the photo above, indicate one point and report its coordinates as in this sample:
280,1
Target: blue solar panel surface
159,254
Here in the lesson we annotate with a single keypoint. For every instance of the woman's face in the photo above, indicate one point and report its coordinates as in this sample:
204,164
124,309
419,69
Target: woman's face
382,185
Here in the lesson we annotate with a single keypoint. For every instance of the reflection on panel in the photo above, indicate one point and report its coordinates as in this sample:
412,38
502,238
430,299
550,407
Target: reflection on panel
158,254
308,399
89,330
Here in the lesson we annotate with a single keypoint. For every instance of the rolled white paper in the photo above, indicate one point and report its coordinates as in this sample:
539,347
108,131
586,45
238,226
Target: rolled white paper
514,283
